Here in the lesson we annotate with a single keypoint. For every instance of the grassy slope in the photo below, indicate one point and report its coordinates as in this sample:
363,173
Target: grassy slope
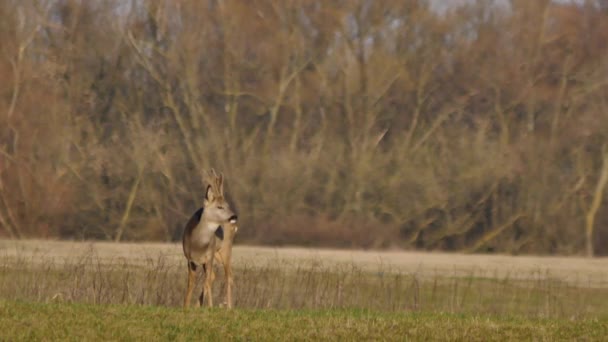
78,322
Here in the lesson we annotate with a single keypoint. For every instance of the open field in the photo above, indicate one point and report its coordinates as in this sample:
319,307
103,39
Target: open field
571,270
292,292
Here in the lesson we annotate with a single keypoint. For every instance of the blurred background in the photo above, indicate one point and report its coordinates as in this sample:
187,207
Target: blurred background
474,126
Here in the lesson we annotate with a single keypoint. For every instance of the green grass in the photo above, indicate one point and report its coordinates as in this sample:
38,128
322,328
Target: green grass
34,321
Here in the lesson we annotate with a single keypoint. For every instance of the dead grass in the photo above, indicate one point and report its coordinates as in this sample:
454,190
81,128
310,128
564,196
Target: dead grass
290,278
576,271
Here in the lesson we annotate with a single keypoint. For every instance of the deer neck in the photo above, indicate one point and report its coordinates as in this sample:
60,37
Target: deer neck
209,226
205,230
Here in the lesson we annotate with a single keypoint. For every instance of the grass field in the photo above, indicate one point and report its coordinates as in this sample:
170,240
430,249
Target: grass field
85,322
53,290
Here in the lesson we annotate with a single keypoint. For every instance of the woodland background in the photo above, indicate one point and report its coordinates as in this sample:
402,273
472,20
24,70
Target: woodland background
362,124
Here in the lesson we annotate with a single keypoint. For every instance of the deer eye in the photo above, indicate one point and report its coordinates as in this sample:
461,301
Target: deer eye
220,207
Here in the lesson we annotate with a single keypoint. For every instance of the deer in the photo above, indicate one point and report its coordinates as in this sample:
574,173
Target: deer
199,240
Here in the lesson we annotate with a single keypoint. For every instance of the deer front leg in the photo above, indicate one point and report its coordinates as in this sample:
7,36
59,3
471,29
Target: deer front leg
208,284
191,279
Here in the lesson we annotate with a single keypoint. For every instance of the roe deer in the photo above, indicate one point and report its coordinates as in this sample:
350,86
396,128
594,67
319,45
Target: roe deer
199,237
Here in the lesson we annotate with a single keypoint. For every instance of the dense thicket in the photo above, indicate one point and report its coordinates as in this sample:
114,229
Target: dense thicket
337,123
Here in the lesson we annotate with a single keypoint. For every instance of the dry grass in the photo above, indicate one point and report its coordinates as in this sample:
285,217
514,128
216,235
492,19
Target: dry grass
290,278
579,271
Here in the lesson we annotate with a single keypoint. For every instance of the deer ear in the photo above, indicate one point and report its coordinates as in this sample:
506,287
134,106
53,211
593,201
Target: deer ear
209,196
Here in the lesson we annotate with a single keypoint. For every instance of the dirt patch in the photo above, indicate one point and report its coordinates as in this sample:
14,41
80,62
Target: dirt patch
573,270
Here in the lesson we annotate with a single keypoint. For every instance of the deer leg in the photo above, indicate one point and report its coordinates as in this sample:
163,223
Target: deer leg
228,284
208,284
210,279
191,279
218,256
201,298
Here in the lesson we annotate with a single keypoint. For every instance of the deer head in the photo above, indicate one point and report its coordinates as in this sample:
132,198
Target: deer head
217,209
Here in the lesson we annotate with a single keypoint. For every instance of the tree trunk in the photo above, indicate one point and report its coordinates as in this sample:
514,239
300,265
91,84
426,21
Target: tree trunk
595,205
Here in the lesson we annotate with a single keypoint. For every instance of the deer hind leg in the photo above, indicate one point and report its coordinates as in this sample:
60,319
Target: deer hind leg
191,280
208,284
223,256
218,257
228,284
